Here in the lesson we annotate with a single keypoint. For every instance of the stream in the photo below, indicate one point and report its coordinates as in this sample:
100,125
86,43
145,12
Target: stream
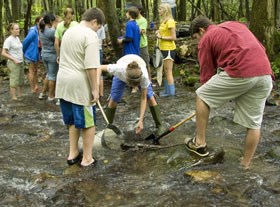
34,146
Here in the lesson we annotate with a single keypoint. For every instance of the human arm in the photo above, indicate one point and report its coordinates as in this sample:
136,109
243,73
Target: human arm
57,48
143,104
6,54
92,75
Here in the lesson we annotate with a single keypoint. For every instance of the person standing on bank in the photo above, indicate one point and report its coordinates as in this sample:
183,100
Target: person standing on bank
143,24
77,84
167,36
233,66
131,70
31,46
131,40
48,53
12,50
62,27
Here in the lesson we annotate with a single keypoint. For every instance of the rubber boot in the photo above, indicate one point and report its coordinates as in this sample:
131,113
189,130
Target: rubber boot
165,91
171,90
110,114
155,111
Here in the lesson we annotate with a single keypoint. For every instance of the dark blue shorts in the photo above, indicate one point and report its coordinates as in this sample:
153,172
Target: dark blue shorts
80,116
118,87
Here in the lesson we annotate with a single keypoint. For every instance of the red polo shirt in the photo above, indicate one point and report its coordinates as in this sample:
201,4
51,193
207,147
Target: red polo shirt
234,48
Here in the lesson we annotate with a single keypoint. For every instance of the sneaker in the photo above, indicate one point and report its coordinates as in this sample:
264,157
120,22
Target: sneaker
51,99
134,90
57,102
42,96
199,150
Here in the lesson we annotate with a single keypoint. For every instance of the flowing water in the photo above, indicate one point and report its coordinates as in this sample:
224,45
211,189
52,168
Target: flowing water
34,146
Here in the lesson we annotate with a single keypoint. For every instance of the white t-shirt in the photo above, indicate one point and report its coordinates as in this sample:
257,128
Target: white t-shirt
119,69
14,47
79,51
101,36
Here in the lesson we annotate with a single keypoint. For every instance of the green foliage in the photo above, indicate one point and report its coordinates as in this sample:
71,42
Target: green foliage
276,67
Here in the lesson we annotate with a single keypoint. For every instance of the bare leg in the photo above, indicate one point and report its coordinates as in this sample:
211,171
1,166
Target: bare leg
20,91
152,101
88,138
32,76
202,117
168,66
251,143
112,104
51,86
13,93
74,135
45,85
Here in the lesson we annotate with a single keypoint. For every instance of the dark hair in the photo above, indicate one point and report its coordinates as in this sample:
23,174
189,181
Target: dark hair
94,13
199,22
133,12
47,19
68,15
37,19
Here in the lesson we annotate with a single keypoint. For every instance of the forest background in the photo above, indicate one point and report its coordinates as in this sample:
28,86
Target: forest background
261,16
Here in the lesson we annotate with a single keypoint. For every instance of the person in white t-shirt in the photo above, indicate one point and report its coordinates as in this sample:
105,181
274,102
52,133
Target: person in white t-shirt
101,36
12,50
77,84
131,70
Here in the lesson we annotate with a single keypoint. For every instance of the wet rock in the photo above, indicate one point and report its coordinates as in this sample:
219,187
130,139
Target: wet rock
275,152
204,176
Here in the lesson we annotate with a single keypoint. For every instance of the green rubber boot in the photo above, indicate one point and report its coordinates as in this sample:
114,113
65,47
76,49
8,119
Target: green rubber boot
110,114
155,111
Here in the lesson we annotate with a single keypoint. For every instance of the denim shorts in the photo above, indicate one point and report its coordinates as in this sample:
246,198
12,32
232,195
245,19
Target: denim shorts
51,66
118,87
248,94
80,116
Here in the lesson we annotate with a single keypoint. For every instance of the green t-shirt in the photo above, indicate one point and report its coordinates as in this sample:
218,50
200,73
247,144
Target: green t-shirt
60,29
142,23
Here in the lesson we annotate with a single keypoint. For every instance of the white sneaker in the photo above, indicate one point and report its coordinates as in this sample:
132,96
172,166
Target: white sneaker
50,99
57,102
42,96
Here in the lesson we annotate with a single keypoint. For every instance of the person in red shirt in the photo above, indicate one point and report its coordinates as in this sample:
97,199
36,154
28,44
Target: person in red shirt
233,66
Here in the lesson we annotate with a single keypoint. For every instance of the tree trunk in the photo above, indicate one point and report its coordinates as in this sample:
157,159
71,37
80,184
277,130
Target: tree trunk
240,9
16,6
1,25
247,10
262,24
27,17
182,11
8,11
155,11
110,12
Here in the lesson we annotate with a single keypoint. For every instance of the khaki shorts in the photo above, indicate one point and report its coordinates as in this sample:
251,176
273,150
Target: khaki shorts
249,95
16,74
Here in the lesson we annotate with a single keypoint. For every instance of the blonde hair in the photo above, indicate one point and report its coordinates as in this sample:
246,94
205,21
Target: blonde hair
167,14
133,74
11,26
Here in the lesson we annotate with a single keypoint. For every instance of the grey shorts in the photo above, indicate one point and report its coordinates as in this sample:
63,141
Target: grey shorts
249,95
144,54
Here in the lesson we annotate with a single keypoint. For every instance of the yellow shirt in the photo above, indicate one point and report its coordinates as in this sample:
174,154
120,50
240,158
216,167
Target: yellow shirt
164,31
